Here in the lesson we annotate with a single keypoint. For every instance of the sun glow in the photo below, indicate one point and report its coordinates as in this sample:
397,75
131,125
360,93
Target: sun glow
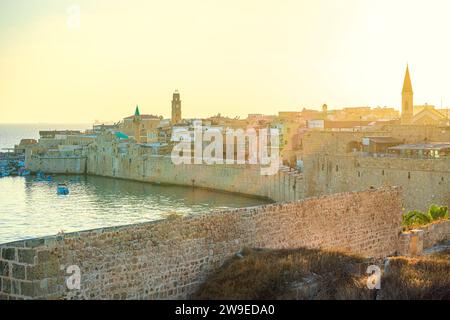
225,56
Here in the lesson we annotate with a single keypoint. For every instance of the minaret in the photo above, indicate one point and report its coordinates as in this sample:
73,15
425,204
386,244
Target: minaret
137,120
176,108
407,99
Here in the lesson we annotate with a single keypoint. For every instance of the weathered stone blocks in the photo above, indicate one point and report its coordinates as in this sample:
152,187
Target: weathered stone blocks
26,256
9,254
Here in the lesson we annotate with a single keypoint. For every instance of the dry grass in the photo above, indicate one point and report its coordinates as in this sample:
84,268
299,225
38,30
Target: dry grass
425,278
306,274
442,255
288,274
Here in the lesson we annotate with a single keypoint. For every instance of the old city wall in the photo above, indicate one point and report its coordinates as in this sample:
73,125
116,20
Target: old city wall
340,142
169,259
242,179
57,164
424,182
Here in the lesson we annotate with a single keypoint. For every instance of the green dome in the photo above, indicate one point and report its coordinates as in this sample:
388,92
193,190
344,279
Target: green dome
121,135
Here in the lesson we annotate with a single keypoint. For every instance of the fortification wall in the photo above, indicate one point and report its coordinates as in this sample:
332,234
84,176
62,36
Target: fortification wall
243,179
424,182
169,259
337,142
57,165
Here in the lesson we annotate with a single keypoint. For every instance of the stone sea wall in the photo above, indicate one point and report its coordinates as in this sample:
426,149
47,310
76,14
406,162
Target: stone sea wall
136,164
57,164
424,181
169,259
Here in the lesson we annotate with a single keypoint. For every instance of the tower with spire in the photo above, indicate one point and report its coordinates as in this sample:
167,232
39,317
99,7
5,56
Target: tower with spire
137,121
407,99
176,108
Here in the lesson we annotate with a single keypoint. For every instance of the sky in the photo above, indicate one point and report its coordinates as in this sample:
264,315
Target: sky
231,57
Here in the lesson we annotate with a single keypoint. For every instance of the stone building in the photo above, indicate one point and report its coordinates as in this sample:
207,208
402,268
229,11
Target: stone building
143,127
429,115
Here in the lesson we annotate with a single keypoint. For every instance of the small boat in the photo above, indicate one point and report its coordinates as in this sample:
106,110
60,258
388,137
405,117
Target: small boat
62,189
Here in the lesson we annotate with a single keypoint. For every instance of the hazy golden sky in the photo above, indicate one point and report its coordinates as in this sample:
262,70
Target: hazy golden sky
230,56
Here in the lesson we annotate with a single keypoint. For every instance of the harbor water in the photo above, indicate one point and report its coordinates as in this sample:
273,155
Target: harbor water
31,208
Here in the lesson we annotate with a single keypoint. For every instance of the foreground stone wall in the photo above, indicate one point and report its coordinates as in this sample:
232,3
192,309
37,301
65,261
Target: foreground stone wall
436,233
169,259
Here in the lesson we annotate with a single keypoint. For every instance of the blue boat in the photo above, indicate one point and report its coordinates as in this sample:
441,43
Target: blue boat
62,189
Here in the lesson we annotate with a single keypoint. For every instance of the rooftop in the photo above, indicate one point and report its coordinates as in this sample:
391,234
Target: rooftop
384,140
144,116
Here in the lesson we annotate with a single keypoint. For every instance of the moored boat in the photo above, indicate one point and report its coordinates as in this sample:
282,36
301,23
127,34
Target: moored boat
62,189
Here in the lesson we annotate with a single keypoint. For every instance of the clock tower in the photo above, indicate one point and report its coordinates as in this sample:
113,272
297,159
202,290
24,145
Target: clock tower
176,108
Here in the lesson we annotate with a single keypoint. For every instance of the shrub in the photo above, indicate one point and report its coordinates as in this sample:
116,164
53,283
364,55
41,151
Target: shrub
414,219
437,212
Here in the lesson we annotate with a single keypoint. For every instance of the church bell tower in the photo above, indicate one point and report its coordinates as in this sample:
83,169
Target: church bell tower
407,99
